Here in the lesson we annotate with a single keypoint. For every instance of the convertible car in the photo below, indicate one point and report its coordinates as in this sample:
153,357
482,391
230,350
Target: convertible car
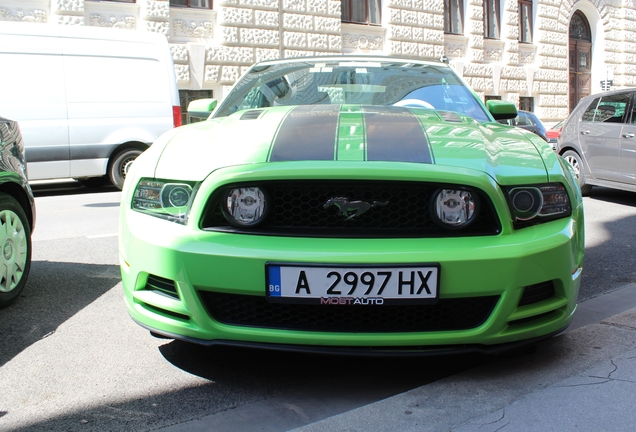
352,204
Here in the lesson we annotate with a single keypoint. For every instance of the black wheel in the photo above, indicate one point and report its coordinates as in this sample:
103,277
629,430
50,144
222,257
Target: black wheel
15,249
577,165
120,164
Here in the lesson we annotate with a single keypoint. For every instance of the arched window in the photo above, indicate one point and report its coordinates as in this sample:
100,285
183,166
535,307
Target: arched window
579,27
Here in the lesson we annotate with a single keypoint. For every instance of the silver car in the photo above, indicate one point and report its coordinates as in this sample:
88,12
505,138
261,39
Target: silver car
599,140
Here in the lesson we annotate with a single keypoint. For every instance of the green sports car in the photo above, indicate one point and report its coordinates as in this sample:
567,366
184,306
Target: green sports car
352,204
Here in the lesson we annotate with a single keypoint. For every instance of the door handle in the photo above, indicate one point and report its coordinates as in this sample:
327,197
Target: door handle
585,132
628,135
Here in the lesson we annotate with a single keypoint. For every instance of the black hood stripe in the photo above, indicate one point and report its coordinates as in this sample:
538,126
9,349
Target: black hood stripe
307,133
394,134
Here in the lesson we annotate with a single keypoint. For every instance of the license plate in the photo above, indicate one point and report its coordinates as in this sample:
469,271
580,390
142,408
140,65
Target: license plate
341,285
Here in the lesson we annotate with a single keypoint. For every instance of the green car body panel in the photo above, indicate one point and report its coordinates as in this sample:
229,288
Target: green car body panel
350,142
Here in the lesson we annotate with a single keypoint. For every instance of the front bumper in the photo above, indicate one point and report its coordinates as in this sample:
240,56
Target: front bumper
195,262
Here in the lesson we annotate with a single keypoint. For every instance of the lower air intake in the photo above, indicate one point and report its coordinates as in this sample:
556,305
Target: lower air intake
255,311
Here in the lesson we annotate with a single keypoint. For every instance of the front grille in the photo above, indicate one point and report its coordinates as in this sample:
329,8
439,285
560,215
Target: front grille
402,210
255,311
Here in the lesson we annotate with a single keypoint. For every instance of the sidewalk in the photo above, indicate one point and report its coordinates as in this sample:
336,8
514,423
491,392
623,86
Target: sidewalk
583,380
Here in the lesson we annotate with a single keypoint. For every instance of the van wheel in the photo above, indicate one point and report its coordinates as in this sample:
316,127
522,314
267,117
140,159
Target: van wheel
120,164
15,249
577,165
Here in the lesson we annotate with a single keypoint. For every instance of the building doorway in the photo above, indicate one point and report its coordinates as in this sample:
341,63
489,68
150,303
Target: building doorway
580,59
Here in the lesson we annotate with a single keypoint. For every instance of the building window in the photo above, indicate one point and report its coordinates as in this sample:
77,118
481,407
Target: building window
526,103
453,16
361,11
525,21
491,18
205,4
187,96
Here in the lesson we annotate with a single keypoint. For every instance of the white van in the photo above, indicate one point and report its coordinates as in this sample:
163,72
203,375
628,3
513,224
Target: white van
88,100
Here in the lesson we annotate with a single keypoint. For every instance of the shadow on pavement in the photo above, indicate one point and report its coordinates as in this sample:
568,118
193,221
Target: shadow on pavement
47,301
71,187
610,265
613,196
236,378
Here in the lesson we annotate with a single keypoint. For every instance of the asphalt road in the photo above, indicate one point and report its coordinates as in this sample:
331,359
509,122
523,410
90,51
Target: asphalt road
71,358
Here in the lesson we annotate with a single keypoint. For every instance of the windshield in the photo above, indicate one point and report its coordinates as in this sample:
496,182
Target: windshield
352,82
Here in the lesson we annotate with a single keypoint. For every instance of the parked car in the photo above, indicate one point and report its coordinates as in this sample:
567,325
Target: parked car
528,121
554,133
352,203
598,140
17,214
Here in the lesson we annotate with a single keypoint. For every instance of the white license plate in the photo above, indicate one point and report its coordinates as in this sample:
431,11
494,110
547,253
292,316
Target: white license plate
338,285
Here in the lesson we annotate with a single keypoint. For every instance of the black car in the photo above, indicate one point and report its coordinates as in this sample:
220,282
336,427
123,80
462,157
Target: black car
528,121
17,214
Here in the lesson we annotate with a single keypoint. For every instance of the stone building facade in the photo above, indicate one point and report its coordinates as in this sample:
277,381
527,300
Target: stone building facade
213,46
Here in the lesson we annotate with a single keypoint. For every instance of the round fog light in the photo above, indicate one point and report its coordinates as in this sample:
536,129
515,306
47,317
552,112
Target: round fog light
245,206
454,208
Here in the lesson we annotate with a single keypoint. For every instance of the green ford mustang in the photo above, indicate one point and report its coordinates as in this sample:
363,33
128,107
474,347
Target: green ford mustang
340,204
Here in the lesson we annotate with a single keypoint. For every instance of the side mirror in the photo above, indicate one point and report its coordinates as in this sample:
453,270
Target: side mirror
201,108
501,110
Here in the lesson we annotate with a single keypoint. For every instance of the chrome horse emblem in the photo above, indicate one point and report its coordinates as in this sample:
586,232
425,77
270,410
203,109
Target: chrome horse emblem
351,209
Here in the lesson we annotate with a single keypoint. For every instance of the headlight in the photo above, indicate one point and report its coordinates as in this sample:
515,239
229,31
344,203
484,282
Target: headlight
540,203
245,206
526,202
454,208
163,198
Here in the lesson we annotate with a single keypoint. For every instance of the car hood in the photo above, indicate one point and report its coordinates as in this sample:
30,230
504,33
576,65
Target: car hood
351,133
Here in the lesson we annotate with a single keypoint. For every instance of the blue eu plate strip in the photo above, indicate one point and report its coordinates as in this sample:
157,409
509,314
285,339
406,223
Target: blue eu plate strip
273,280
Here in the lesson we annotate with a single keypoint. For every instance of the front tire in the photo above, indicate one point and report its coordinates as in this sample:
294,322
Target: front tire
120,164
576,162
15,249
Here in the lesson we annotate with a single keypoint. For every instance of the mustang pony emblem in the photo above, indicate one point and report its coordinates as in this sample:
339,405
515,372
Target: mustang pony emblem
351,209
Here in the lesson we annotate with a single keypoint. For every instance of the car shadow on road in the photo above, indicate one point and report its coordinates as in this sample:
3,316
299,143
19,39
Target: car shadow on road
344,380
614,196
51,297
608,264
